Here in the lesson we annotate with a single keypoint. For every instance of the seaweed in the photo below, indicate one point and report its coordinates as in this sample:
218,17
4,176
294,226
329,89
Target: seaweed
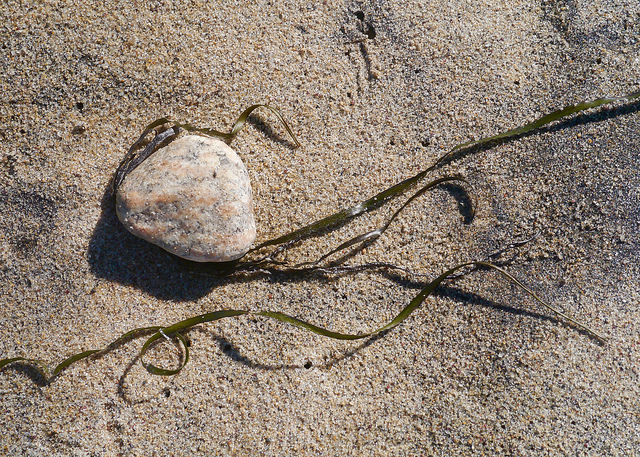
166,129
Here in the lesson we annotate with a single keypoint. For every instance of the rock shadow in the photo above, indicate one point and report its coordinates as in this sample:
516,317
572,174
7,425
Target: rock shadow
116,255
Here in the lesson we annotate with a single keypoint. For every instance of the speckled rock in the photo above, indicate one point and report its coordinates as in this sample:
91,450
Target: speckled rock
192,198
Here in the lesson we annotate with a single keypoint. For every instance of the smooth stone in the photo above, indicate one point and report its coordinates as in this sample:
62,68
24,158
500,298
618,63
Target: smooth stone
191,198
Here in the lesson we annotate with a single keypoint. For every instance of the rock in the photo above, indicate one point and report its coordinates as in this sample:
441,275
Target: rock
191,198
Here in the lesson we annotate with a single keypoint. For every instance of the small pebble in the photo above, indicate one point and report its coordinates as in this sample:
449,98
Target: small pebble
191,198
78,130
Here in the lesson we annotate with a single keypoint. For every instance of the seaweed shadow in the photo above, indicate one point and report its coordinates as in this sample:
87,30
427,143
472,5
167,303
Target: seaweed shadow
265,128
29,371
466,205
235,354
600,115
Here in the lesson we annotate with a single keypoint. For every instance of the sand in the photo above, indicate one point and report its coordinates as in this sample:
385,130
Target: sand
376,92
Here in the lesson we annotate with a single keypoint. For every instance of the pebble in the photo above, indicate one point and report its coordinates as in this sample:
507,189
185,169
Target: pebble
191,198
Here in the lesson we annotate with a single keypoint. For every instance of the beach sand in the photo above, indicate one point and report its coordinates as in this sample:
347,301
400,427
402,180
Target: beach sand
375,91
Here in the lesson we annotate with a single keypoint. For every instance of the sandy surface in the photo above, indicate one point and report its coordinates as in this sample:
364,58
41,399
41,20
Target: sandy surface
376,91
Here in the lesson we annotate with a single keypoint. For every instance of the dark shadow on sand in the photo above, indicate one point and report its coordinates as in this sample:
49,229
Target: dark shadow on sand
600,115
116,255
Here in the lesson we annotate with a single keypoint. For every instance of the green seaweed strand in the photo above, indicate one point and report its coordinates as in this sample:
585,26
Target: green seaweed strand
176,330
400,188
